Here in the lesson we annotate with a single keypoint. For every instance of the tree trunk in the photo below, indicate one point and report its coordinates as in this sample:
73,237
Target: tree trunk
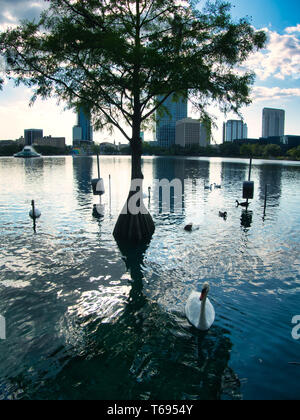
135,224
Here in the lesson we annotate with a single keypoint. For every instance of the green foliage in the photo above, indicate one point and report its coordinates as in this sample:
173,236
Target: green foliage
272,150
246,150
10,150
115,57
294,153
229,149
51,151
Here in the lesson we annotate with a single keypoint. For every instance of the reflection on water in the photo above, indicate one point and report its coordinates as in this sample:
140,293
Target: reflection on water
246,219
88,318
271,175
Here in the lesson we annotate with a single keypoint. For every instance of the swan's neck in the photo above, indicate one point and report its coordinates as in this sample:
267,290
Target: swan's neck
202,319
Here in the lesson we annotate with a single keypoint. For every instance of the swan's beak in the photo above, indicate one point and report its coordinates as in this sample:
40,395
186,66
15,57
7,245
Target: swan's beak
203,294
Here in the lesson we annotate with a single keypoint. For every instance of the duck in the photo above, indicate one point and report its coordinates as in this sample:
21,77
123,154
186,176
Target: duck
208,187
199,310
189,227
34,212
223,214
244,204
217,185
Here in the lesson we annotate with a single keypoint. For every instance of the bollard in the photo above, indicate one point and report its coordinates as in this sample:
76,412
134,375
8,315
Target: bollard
98,183
248,190
98,186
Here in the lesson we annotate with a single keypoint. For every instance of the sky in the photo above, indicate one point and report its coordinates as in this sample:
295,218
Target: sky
277,69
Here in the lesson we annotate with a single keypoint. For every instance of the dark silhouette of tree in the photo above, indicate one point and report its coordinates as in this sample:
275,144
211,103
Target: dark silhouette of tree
115,58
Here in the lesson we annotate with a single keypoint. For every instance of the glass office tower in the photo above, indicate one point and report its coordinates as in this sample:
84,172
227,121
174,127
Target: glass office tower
234,130
83,131
273,122
166,124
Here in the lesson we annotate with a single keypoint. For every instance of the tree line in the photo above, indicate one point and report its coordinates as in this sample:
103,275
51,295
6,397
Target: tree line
228,149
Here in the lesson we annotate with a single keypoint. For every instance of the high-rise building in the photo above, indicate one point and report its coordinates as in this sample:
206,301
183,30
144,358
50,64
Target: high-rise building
166,124
191,132
83,131
234,130
273,121
31,135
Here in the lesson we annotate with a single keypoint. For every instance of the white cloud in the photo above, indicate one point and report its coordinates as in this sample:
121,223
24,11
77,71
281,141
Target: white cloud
12,11
292,29
280,58
262,93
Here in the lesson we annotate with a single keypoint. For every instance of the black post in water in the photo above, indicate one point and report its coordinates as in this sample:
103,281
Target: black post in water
98,165
249,179
110,192
250,168
33,216
266,195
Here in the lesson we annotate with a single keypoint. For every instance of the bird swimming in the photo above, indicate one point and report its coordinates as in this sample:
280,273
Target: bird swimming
223,214
244,204
189,227
199,310
34,212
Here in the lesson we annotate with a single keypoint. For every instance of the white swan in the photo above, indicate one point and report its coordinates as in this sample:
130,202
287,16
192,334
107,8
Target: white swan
34,212
199,311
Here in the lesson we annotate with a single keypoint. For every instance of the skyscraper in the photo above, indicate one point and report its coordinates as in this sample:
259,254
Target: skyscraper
31,135
83,131
234,130
273,121
166,124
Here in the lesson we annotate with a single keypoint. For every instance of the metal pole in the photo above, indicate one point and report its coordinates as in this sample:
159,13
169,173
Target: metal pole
249,179
250,168
109,190
98,165
266,194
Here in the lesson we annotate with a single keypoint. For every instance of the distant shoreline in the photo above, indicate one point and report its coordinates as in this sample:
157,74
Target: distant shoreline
275,159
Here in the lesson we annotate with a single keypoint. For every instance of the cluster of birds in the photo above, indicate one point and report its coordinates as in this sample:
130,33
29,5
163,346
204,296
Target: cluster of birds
198,309
210,187
223,214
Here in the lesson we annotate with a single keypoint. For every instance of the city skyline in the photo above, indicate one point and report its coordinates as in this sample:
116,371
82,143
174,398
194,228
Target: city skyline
277,83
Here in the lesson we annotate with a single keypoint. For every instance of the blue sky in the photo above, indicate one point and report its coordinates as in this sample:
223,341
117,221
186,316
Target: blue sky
277,67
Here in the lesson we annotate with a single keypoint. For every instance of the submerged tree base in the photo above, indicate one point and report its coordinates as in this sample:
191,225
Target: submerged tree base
134,228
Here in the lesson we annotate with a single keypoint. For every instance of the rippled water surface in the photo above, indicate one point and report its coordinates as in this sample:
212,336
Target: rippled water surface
85,321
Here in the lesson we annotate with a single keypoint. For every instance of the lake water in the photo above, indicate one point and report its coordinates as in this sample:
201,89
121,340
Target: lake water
84,321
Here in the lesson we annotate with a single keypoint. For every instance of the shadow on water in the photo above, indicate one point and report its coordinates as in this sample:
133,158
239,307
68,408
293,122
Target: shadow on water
142,353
